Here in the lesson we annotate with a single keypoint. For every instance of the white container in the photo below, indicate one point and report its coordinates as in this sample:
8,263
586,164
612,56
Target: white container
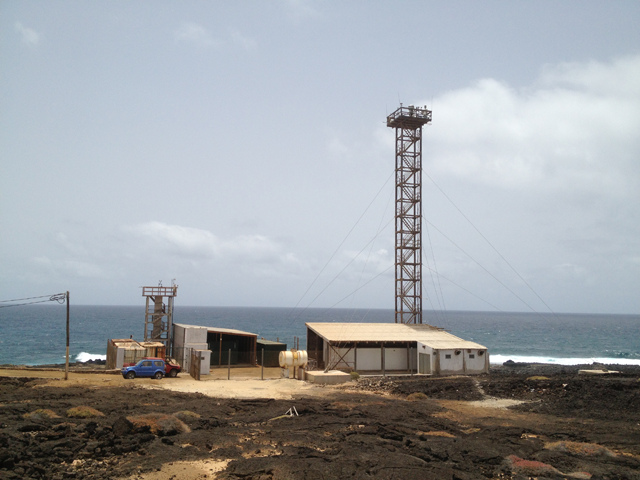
293,358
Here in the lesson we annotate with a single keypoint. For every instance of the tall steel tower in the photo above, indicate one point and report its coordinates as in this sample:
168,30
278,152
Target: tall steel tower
408,122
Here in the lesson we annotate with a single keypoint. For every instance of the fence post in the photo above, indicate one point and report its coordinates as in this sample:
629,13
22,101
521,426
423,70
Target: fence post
229,366
262,369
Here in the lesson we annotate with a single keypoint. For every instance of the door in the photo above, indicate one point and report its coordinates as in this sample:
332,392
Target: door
195,364
425,363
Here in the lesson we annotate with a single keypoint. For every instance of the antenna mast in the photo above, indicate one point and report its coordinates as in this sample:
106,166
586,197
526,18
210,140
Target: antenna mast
408,122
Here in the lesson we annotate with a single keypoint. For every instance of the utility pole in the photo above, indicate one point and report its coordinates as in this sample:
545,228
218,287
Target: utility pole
66,365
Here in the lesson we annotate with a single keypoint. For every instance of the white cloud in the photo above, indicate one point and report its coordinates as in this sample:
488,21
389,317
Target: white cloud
576,125
300,9
253,253
243,41
29,36
192,242
195,34
61,268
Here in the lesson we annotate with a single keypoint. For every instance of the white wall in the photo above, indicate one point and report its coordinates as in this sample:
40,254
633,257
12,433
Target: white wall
474,362
332,355
189,334
451,365
369,359
395,359
205,363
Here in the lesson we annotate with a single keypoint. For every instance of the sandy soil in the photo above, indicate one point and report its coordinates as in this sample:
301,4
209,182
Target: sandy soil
244,382
515,423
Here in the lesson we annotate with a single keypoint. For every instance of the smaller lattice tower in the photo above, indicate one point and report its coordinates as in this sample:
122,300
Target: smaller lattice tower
408,122
158,317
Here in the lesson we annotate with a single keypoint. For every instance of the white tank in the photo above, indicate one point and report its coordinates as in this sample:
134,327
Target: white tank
294,358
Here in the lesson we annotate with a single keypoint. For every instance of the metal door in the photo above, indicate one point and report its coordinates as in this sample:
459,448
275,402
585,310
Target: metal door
425,363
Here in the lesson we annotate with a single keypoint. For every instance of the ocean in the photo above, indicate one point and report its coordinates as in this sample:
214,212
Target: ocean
36,334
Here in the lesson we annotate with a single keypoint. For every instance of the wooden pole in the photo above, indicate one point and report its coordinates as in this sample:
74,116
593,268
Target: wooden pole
229,366
66,365
410,365
262,370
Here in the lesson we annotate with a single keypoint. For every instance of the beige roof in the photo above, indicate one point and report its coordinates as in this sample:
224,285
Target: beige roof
390,332
229,331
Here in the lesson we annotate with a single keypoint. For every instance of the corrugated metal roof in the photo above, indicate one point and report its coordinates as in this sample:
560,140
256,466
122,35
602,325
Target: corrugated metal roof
269,342
230,331
390,332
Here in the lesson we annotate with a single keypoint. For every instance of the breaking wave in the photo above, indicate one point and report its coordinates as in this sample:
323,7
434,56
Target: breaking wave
499,359
85,357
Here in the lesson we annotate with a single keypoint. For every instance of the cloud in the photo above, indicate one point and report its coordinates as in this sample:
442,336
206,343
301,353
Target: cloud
243,41
255,253
62,268
29,36
575,125
300,9
195,34
192,242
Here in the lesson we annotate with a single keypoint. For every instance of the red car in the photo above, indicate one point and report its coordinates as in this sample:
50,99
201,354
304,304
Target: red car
171,367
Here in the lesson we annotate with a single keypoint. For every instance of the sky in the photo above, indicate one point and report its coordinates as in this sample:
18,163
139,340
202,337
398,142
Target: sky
240,150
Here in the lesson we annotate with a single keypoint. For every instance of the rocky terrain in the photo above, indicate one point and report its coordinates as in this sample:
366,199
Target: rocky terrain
515,423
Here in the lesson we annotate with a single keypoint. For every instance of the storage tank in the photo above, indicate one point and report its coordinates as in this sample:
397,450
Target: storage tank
293,358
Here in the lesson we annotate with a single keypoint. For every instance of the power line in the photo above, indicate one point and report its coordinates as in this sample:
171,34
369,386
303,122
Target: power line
337,250
494,249
56,297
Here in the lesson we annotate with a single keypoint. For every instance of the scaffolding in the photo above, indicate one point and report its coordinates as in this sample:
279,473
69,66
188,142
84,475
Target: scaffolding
408,122
158,317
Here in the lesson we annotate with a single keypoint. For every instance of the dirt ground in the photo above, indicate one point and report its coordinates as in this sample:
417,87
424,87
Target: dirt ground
518,422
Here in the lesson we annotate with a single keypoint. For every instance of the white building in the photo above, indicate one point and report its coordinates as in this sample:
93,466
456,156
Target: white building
372,348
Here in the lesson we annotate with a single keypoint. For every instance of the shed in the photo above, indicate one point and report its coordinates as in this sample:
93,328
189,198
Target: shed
393,347
271,352
227,341
220,341
127,350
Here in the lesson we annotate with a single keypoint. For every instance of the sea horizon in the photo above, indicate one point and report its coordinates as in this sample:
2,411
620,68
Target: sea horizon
35,334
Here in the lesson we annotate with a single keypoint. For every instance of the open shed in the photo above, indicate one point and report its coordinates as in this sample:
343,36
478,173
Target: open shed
374,348
227,346
270,351
227,341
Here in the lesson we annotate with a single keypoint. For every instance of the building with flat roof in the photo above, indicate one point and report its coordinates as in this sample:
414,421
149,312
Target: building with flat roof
374,348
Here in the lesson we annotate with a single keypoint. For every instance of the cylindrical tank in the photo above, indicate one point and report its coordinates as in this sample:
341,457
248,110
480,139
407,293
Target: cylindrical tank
293,358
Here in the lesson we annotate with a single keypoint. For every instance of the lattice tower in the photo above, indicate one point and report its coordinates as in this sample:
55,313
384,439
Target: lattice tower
158,318
408,122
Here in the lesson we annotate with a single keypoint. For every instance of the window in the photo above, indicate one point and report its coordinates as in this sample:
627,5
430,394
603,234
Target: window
471,355
146,364
157,363
447,356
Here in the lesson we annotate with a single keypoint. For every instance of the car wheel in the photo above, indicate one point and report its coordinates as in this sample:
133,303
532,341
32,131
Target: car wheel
130,375
157,375
173,373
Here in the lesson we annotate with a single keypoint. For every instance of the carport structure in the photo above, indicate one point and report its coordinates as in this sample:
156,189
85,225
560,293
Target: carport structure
227,341
380,348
